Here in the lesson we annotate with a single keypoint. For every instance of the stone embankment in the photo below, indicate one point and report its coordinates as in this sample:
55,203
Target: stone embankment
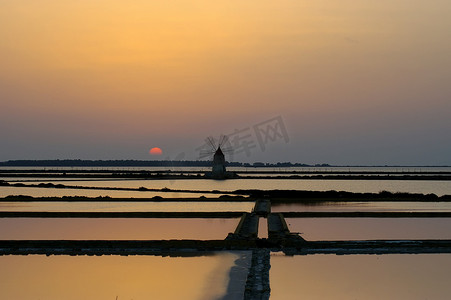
257,284
262,207
247,228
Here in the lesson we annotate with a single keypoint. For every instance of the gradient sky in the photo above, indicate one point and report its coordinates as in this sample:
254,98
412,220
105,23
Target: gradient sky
354,82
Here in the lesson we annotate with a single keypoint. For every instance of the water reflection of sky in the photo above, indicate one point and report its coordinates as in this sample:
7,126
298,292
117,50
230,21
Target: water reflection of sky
370,228
115,277
52,192
359,186
379,206
393,276
105,206
114,229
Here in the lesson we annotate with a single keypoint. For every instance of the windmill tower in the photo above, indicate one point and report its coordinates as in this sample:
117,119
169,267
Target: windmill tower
219,169
217,151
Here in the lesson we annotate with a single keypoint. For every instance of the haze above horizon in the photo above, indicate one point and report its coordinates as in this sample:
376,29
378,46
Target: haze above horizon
343,83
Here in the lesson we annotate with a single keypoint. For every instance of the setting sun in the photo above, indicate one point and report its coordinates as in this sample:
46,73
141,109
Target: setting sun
155,151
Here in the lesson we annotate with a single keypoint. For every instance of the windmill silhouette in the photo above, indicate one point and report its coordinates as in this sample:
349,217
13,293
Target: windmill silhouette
215,152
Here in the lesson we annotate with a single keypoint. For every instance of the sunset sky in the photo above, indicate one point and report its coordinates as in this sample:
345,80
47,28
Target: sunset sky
351,82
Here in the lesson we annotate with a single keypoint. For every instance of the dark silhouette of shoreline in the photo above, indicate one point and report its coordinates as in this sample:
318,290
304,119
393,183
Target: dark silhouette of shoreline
140,163
176,163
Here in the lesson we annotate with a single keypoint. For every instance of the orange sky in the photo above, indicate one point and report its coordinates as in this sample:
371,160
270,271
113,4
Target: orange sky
355,82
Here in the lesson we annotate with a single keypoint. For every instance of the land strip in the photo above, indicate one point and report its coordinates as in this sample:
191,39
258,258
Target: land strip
276,196
200,247
198,176
368,247
86,173
121,247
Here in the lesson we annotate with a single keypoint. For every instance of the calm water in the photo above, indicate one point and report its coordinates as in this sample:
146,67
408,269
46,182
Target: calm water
50,192
382,206
115,277
361,186
319,277
114,229
148,277
127,206
262,228
370,228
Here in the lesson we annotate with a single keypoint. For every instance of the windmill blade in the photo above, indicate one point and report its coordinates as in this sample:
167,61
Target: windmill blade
225,142
226,145
211,142
222,139
205,154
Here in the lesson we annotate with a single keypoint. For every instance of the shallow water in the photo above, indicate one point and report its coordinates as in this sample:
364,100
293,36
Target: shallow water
312,277
318,277
115,277
358,186
381,206
262,228
114,228
104,206
370,228
53,192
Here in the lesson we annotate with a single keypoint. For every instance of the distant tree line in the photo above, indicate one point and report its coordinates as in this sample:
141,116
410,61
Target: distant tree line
141,163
